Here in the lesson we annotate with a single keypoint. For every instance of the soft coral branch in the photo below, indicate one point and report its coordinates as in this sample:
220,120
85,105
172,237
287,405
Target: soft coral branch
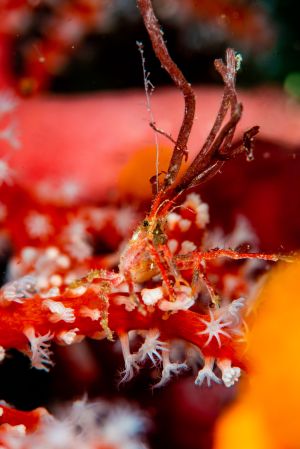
30,326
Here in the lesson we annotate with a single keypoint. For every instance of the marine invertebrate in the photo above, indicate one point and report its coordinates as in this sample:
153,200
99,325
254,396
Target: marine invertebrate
47,35
46,54
159,290
88,425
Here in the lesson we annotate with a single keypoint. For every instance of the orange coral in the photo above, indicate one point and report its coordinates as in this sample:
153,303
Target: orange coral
265,415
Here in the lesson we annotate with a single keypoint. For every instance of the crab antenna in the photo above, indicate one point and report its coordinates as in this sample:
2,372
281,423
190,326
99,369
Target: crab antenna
160,50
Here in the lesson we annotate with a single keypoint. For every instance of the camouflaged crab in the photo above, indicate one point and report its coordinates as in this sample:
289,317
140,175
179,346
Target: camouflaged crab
181,297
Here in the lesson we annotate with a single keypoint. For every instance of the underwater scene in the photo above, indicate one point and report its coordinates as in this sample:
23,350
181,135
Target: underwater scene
149,224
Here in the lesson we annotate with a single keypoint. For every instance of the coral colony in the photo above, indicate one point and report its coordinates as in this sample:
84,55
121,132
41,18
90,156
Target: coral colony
84,425
48,40
184,298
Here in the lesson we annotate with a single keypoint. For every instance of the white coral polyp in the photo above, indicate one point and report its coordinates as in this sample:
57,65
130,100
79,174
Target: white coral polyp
69,337
84,425
232,313
184,300
184,224
6,173
93,314
38,225
230,374
172,220
193,201
202,217
125,220
151,347
207,373
20,289
59,311
235,309
169,369
39,346
150,296
8,102
79,249
187,247
214,328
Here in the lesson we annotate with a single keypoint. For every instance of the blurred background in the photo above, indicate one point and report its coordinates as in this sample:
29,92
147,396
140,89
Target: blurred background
64,48
86,45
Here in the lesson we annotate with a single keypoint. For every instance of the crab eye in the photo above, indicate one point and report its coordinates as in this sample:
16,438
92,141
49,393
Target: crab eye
145,223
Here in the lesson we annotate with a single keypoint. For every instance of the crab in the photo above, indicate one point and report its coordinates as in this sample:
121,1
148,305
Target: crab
167,286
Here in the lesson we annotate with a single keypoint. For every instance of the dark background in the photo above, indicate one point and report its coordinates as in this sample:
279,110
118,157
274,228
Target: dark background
107,58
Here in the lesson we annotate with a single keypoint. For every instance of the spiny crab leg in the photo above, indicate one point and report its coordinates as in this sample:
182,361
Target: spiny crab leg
187,261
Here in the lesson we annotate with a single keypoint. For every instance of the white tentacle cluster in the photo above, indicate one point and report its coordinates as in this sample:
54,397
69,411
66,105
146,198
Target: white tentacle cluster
39,348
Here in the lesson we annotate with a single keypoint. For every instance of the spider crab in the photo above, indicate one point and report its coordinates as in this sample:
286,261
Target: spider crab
168,288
